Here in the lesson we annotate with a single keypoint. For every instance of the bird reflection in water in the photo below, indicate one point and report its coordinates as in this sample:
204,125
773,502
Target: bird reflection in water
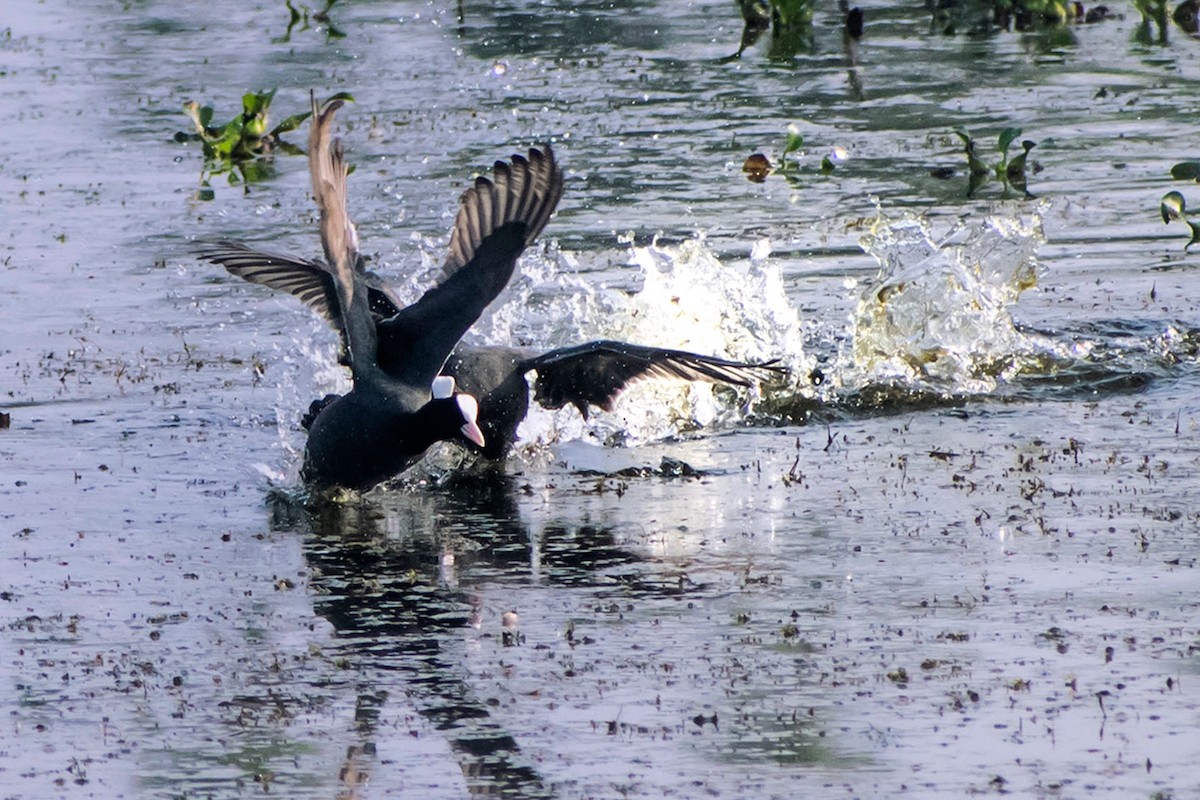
394,573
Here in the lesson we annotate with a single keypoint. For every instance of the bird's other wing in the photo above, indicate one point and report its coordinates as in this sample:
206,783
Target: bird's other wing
310,281
593,374
327,166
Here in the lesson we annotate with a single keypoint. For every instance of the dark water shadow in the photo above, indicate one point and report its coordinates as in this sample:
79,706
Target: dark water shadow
378,579
392,572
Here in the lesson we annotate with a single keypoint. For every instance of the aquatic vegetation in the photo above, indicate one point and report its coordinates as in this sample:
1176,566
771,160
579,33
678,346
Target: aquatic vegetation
243,146
1172,207
778,15
1010,172
790,23
1156,13
791,26
791,13
757,166
245,136
301,17
986,16
1186,171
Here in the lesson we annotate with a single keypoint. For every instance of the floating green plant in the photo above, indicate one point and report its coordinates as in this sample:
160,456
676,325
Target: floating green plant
757,167
1173,207
793,143
790,23
977,17
245,136
791,14
244,146
1010,172
1157,14
1186,171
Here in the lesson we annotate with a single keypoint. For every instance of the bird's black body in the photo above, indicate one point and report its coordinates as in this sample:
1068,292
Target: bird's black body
366,437
395,352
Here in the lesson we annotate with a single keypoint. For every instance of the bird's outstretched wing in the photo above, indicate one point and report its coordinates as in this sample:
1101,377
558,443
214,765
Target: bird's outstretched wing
493,227
327,167
311,281
525,190
593,374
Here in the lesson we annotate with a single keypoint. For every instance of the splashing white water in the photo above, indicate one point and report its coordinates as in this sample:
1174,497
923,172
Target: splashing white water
680,297
938,315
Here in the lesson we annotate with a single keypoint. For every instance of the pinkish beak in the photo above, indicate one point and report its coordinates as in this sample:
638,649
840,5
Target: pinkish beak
469,406
472,431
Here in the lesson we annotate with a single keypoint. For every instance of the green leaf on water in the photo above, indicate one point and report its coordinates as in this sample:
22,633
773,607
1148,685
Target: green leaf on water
974,163
257,102
257,171
290,123
1186,171
1016,167
222,146
255,107
1007,137
287,148
794,140
1172,206
1195,226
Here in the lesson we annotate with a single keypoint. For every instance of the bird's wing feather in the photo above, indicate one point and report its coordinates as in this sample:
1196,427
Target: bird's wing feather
525,190
308,280
596,372
327,167
492,229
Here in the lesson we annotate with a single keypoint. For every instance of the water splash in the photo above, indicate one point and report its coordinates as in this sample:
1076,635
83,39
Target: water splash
307,370
935,325
938,316
680,297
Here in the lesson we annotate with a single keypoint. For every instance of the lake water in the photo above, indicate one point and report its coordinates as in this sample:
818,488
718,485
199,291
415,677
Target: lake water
954,554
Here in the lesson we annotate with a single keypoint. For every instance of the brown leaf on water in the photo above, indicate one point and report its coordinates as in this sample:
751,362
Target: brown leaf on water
757,167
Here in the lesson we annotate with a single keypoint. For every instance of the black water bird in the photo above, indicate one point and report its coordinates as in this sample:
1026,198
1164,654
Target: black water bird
584,375
398,406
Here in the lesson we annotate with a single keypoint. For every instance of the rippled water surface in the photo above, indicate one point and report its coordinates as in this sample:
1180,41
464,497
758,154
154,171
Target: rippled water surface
953,554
